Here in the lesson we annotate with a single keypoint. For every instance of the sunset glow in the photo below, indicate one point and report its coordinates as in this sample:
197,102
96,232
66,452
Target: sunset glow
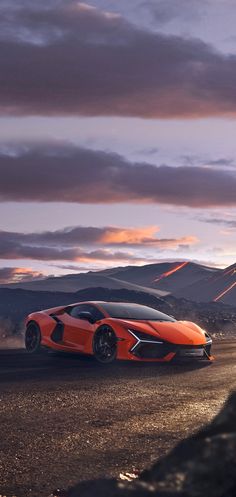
104,112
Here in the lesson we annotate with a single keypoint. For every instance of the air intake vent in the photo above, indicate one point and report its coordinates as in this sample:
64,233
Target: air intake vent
57,334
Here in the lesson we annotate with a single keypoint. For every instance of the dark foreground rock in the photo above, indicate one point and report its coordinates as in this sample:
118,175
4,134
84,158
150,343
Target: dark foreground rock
203,465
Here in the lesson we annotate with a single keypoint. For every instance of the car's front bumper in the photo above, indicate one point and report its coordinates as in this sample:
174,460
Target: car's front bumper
168,351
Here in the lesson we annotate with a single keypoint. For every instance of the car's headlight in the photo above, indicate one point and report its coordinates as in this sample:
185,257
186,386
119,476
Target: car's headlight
144,337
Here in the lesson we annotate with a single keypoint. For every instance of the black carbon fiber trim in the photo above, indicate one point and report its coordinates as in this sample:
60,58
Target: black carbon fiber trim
57,333
151,350
159,351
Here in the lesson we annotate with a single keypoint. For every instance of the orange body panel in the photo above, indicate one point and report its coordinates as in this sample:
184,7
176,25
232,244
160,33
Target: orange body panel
78,334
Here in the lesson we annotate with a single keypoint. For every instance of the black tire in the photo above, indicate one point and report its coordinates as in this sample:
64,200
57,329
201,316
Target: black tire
33,339
105,345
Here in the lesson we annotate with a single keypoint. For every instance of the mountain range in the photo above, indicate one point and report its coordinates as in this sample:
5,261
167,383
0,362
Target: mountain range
187,280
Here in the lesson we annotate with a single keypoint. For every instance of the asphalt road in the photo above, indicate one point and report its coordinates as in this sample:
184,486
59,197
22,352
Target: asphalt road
66,418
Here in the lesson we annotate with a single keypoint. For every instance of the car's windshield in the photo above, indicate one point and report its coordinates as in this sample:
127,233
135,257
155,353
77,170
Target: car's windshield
135,312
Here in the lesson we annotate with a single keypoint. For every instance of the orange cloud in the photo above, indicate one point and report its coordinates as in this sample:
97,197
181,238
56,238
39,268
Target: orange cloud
102,256
143,236
85,244
129,236
17,274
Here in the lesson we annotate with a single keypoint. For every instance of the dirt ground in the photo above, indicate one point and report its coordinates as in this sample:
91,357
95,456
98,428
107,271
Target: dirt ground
66,418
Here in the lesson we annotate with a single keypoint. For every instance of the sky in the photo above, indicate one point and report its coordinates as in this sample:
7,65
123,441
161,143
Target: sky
117,134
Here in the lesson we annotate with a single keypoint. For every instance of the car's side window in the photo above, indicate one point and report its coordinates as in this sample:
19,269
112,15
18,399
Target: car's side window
74,311
95,313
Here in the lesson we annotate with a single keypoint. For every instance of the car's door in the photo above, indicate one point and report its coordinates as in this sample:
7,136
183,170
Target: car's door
77,332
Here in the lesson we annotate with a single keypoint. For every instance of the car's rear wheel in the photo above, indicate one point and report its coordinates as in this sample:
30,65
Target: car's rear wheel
105,345
33,338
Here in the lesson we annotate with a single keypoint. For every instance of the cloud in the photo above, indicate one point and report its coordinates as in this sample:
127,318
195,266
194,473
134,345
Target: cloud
144,237
230,223
77,268
17,274
165,11
64,173
73,59
65,244
148,151
206,162
110,236
12,249
223,162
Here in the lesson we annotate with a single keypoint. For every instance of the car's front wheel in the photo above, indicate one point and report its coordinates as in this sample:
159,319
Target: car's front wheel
105,344
33,338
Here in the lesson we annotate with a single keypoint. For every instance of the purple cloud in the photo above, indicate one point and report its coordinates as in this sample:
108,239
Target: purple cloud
88,235
165,11
59,173
65,244
72,59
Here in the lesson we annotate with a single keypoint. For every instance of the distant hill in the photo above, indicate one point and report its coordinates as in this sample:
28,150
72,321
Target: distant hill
15,304
218,287
75,282
168,277
187,280
157,279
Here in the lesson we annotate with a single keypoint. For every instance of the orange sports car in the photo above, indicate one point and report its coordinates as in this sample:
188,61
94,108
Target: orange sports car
112,330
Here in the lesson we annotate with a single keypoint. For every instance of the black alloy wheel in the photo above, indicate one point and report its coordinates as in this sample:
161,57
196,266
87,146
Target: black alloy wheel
32,338
105,345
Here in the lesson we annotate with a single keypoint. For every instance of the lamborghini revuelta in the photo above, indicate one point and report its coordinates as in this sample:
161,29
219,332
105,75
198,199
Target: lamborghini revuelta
112,330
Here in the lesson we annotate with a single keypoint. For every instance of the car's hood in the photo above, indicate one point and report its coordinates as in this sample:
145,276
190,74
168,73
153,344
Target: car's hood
178,332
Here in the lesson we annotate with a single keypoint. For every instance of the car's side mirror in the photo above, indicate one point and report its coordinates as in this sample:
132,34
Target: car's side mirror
87,316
